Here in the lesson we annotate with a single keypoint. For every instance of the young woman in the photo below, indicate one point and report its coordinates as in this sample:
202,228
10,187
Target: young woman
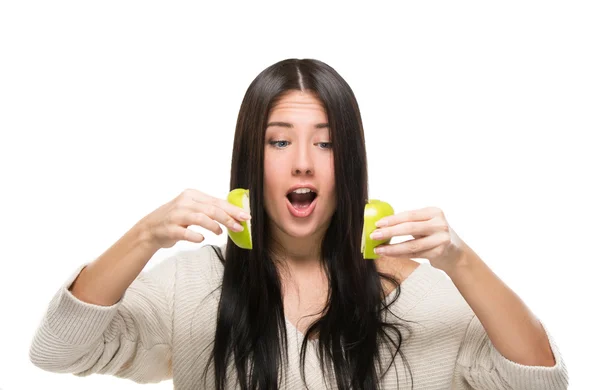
302,308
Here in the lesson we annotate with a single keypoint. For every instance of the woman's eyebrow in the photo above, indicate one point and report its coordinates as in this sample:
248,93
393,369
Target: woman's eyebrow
291,126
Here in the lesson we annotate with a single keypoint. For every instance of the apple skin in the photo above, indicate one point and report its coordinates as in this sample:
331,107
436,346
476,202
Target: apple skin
374,211
242,239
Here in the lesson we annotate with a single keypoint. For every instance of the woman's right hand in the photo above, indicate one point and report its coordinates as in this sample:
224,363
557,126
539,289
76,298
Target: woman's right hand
169,223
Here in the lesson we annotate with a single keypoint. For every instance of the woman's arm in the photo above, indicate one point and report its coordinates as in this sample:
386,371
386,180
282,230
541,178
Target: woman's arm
129,339
104,281
505,346
512,328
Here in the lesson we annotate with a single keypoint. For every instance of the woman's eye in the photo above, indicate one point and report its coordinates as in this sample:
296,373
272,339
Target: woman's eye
277,143
281,144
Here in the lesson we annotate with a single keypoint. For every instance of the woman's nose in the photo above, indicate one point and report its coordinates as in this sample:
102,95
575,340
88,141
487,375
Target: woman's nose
303,171
303,163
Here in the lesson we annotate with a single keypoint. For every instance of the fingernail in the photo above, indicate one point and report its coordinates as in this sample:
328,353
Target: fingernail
381,223
244,215
237,227
376,235
379,251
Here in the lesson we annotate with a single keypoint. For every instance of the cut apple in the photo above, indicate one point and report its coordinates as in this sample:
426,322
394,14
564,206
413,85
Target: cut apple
374,211
240,197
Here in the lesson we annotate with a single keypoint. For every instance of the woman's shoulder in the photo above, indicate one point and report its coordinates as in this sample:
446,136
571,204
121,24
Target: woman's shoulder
444,304
191,271
204,263
426,291
206,256
401,269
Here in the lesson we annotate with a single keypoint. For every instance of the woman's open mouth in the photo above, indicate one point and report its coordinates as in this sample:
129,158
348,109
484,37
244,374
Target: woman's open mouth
301,205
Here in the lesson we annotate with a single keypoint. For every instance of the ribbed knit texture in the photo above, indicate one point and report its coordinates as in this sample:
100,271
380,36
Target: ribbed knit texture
163,328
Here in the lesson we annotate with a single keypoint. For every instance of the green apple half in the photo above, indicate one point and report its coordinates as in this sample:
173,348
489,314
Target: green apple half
240,197
374,211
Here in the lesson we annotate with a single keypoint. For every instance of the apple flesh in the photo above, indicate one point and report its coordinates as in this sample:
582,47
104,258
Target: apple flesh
374,211
240,197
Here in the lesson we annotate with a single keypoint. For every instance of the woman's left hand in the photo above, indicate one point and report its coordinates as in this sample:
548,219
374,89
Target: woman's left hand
434,238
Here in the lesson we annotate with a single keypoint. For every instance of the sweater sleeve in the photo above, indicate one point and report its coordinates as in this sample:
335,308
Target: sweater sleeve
484,368
130,339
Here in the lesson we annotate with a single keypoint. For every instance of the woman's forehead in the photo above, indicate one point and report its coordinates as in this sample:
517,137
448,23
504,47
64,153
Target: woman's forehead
297,98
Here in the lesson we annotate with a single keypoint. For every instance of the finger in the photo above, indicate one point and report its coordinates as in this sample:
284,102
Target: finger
410,248
195,195
218,214
424,214
404,229
188,235
200,197
236,212
201,219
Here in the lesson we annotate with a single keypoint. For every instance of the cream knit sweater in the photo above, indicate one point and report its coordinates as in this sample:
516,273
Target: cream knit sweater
163,326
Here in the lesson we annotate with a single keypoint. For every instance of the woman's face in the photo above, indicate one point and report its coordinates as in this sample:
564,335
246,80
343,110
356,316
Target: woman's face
298,152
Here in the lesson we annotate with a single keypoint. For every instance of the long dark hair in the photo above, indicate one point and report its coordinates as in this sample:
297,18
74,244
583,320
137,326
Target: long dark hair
251,328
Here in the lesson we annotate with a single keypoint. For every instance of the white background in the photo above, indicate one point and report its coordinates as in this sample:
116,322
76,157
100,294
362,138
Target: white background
488,111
